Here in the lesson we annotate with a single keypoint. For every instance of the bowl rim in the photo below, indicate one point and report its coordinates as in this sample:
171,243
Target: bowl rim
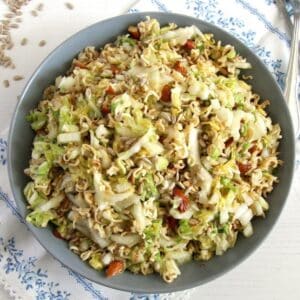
168,288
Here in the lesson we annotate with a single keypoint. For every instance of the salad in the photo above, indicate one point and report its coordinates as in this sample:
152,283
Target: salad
151,152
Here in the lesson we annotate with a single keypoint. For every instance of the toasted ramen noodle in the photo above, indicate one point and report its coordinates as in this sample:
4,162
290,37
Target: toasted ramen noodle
152,151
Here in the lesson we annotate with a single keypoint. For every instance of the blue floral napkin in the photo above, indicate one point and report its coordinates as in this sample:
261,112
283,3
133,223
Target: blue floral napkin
26,270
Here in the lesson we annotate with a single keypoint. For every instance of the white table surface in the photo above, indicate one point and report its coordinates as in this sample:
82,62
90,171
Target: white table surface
273,271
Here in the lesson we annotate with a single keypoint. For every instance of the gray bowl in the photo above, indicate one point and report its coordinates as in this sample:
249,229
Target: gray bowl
193,273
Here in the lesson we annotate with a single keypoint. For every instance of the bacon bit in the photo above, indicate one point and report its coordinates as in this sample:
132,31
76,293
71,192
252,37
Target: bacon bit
166,93
115,267
177,192
56,171
189,45
172,223
180,68
244,168
115,69
228,142
223,71
57,234
110,91
64,204
132,179
161,139
184,204
41,131
134,32
253,149
73,99
79,64
105,109
64,207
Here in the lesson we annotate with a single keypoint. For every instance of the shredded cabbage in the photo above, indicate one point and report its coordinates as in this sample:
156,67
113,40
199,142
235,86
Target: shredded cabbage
152,151
40,219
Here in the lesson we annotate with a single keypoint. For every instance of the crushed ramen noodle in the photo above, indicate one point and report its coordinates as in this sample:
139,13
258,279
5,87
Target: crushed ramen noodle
151,152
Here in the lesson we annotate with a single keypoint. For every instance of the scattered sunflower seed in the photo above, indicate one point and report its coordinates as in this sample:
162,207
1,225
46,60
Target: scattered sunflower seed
14,25
40,7
42,43
4,29
5,22
18,77
34,13
10,20
10,46
7,63
23,41
6,83
9,15
69,5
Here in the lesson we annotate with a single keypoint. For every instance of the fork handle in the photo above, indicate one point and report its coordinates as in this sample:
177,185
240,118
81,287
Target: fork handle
291,88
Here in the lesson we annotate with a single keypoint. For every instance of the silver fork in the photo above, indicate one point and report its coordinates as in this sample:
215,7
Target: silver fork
291,88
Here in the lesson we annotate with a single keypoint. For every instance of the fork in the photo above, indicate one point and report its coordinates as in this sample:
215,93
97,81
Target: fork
290,92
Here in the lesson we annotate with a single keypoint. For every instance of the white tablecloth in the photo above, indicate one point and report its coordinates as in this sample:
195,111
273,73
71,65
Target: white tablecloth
27,271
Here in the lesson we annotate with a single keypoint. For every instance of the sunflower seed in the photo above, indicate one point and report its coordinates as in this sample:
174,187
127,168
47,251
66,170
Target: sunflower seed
9,15
23,41
5,22
5,29
69,5
10,46
40,7
7,64
6,83
14,25
34,13
42,43
18,77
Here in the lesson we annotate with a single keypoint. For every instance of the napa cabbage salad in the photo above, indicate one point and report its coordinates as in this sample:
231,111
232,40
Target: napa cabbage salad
151,152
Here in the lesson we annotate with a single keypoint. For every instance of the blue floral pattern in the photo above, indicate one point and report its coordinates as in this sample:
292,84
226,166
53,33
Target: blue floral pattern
161,6
34,279
3,148
87,285
283,36
206,9
270,2
133,10
144,297
237,27
11,205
